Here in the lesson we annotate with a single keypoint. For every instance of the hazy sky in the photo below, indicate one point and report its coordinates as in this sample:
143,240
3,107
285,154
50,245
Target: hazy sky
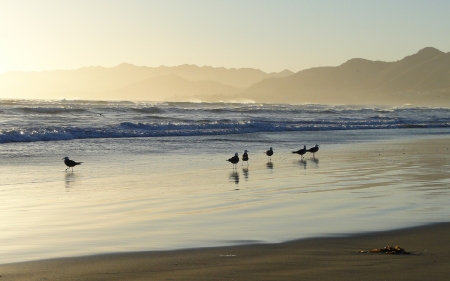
269,35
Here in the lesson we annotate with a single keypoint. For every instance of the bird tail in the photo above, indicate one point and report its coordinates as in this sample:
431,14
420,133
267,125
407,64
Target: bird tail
294,151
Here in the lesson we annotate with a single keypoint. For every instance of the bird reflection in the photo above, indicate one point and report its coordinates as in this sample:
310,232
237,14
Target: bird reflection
69,179
315,160
312,161
269,165
302,163
234,176
245,172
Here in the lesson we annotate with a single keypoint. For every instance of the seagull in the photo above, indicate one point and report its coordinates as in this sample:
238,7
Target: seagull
245,157
269,153
301,151
314,149
70,163
234,160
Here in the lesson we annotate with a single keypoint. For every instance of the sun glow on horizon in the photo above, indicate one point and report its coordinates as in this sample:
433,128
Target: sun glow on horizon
267,35
93,49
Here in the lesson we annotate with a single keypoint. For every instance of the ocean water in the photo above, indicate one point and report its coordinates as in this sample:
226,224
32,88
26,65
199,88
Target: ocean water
30,121
154,175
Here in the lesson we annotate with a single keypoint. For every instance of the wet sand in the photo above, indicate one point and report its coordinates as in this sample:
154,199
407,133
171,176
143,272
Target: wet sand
309,259
354,189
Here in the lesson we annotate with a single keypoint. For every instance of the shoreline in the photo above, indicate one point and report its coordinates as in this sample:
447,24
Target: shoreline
323,258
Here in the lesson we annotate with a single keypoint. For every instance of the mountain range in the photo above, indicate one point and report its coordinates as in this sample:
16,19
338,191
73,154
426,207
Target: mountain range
130,82
419,79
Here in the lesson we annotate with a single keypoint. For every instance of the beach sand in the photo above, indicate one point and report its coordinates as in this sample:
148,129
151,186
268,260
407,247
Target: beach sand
308,259
360,188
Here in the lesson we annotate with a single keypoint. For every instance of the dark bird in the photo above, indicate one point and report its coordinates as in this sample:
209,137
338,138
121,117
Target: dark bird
234,160
314,149
301,151
269,153
70,163
245,157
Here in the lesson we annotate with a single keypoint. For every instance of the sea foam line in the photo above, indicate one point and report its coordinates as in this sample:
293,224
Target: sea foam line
131,129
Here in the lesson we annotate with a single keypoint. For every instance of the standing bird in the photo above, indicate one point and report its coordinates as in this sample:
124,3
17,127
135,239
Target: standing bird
314,149
301,151
245,157
269,153
234,160
70,163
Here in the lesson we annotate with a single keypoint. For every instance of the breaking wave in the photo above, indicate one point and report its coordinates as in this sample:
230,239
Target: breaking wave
225,127
30,120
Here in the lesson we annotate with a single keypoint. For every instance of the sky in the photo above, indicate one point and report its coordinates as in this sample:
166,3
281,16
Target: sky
267,35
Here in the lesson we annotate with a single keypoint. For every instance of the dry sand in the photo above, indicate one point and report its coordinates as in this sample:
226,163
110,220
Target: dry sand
310,259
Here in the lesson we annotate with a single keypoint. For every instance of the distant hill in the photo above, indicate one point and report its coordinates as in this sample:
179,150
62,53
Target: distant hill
96,82
421,79
170,87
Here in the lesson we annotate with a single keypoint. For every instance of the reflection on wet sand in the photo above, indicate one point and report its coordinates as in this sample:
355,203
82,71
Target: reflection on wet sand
269,165
304,162
314,161
245,172
234,176
69,179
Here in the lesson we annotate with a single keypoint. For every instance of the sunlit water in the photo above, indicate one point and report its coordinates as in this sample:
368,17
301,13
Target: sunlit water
177,191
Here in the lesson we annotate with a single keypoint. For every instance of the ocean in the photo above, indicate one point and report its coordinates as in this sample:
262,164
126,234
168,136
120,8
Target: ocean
155,177
32,120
